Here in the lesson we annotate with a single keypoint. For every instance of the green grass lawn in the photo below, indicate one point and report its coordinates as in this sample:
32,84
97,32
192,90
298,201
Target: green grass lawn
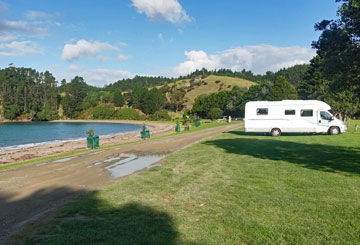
235,188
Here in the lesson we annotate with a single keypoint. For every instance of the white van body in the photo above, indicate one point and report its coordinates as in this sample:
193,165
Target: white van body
291,116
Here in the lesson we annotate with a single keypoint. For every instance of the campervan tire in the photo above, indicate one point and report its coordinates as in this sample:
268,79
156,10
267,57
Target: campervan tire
275,132
334,130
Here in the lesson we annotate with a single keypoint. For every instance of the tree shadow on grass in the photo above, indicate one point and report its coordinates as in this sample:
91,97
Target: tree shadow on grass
16,213
89,220
313,156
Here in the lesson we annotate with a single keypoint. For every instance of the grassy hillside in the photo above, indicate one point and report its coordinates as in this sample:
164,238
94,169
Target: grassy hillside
210,84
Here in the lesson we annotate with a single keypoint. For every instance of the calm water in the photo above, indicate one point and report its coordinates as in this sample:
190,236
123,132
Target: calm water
22,135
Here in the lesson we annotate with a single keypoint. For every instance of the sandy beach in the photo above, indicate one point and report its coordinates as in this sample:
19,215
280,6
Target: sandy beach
12,156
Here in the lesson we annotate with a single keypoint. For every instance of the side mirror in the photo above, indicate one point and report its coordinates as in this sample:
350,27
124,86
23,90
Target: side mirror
332,118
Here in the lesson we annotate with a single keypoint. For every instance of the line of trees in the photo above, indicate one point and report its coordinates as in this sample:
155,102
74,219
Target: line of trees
28,94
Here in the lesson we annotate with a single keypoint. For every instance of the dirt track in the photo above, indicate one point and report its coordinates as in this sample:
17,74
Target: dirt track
29,192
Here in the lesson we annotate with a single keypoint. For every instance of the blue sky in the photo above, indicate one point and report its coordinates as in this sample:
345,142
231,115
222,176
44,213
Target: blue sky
105,41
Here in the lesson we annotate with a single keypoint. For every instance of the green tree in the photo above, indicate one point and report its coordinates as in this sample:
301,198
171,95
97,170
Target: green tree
339,50
91,100
76,91
137,96
314,85
281,90
153,101
10,112
177,99
47,114
118,99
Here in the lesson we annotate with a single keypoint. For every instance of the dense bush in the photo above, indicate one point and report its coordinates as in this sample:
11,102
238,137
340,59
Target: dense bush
215,113
103,112
10,112
46,114
160,116
90,100
127,114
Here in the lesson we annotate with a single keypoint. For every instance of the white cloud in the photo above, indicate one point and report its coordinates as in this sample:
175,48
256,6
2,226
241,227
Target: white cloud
122,57
6,37
160,36
101,77
21,26
259,59
33,15
168,10
83,48
95,77
19,48
75,68
180,31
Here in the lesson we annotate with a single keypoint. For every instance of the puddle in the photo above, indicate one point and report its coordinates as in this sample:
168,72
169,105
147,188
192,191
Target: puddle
56,161
132,164
40,164
64,159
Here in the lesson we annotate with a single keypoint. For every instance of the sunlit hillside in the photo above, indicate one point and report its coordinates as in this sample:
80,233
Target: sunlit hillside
210,84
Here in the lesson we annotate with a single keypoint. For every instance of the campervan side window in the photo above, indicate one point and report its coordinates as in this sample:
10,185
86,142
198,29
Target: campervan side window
306,113
289,112
261,111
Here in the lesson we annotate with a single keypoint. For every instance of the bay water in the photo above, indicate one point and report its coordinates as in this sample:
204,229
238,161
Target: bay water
21,135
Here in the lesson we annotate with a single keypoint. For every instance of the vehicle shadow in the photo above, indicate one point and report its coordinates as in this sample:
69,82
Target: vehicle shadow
88,220
313,156
268,134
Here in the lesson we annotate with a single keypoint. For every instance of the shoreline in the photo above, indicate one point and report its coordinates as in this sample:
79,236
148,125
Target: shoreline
49,149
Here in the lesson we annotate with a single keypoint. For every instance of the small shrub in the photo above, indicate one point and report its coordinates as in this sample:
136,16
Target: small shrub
90,133
161,115
215,113
217,81
127,114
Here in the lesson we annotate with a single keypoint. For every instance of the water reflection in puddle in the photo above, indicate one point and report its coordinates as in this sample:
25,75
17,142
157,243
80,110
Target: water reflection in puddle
64,159
56,161
131,164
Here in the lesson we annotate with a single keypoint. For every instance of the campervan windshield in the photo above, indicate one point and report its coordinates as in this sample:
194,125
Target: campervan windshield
325,115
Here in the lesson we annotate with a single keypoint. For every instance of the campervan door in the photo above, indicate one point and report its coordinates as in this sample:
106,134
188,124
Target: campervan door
305,120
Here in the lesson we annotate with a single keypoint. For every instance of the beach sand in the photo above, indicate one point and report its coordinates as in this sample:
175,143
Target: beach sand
19,155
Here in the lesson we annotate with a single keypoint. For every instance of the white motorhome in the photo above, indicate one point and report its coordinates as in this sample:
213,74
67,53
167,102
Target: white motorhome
291,116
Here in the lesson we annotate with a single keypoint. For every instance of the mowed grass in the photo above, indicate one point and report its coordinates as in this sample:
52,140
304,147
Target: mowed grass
235,188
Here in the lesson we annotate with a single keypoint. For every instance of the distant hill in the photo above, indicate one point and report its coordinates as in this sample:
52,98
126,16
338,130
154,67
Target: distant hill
210,84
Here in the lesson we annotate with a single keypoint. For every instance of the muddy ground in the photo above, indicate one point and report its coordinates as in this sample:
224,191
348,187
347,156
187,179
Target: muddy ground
30,192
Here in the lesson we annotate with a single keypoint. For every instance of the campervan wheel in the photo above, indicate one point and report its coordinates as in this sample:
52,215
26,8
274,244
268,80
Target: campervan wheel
334,130
275,132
